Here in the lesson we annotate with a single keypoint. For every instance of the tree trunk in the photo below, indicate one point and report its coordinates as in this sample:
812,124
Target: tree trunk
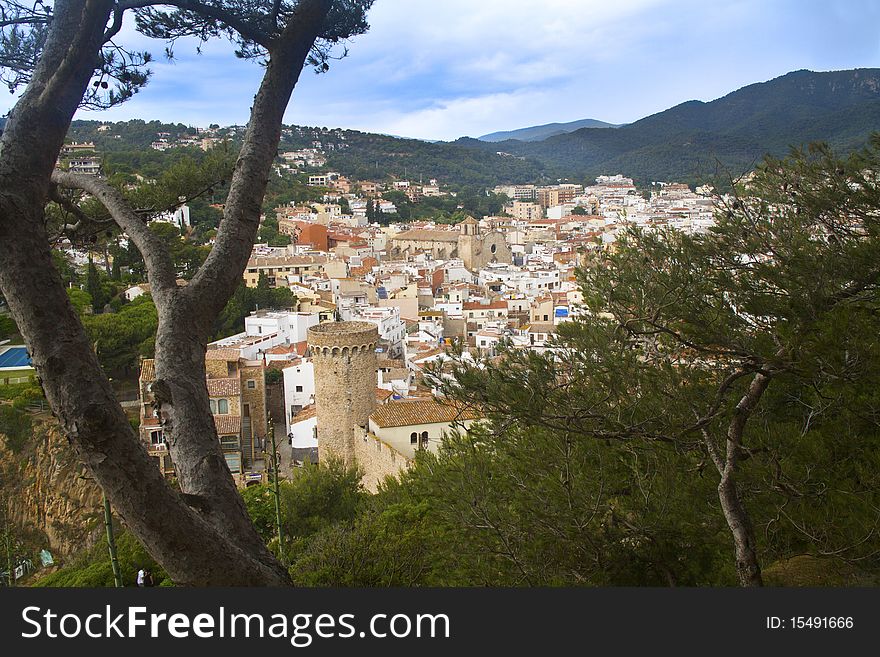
748,569
203,537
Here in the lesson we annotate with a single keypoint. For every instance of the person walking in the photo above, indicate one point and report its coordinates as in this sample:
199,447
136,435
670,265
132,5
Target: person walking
140,577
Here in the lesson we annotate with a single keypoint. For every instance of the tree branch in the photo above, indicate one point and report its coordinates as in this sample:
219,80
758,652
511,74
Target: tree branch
160,268
242,27
216,279
119,12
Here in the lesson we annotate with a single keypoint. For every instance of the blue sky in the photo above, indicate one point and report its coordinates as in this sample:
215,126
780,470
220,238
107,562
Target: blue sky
442,69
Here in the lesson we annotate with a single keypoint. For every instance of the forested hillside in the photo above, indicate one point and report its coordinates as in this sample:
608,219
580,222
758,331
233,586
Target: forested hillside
695,141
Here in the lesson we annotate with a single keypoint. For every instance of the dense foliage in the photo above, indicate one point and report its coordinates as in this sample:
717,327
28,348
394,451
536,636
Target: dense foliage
93,568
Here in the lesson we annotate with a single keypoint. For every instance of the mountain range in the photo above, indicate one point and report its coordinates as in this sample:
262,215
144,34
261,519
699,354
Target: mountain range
696,141
541,132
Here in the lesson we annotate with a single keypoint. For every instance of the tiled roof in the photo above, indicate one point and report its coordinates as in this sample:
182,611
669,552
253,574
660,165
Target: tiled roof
148,369
476,305
383,395
306,413
224,387
398,373
427,354
227,424
542,327
282,349
223,354
408,413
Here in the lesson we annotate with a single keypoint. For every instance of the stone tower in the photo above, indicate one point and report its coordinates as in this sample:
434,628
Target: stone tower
344,357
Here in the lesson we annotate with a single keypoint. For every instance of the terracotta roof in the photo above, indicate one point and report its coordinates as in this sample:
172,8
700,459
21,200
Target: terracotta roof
223,354
227,424
408,413
426,354
224,387
306,413
398,373
383,395
542,327
476,305
148,369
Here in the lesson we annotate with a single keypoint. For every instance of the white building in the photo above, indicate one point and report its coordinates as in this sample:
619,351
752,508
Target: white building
264,330
299,390
411,425
392,330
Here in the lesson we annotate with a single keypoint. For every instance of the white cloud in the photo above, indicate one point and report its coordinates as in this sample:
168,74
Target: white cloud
443,69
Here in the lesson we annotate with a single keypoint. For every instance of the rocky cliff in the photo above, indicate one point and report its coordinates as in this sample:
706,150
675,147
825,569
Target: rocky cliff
49,492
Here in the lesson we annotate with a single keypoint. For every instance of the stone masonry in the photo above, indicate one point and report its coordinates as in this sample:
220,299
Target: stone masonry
344,356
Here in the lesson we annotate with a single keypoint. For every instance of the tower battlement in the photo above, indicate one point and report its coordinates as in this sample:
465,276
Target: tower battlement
344,357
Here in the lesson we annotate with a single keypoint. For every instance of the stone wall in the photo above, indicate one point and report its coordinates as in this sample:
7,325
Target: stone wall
216,369
256,397
344,357
378,460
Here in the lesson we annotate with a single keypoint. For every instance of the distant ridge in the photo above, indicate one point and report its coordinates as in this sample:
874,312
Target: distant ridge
697,141
694,142
539,132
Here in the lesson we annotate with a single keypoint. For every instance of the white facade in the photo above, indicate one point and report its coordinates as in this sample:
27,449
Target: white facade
292,326
299,390
304,432
387,320
428,436
265,330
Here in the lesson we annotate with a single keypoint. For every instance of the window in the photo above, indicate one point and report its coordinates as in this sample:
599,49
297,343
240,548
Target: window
424,441
299,388
413,438
156,438
219,406
251,384
213,404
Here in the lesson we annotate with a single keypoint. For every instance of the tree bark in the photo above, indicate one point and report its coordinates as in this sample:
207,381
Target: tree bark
204,536
748,568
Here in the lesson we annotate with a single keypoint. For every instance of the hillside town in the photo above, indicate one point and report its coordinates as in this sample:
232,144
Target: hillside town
577,306
422,288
